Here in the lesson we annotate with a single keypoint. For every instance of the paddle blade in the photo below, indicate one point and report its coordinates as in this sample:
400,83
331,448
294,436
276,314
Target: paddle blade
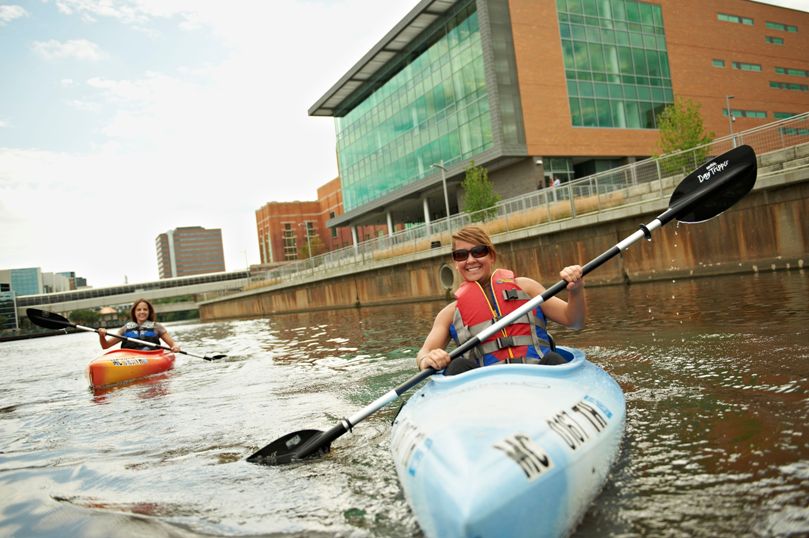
715,186
285,449
49,320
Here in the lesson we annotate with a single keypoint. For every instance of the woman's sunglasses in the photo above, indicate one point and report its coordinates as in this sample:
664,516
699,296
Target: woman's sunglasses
478,251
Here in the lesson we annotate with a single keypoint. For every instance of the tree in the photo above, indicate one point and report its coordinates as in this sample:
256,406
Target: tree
682,128
479,193
318,247
84,317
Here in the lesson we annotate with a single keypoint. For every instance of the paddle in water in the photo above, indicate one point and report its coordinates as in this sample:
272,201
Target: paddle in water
49,320
702,195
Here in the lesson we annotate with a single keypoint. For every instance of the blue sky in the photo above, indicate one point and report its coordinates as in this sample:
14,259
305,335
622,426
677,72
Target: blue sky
122,119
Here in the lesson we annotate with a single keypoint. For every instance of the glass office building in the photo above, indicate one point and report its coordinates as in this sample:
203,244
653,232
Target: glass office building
8,309
26,281
541,89
435,108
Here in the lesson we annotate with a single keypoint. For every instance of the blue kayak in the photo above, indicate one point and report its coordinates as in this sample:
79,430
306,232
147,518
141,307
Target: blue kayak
509,450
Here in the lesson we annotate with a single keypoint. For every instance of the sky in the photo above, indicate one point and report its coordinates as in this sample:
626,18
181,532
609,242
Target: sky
124,119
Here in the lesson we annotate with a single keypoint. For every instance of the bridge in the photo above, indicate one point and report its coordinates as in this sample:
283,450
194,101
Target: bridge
201,287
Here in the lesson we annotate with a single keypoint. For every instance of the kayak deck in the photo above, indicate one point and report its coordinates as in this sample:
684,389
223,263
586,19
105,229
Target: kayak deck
124,365
510,450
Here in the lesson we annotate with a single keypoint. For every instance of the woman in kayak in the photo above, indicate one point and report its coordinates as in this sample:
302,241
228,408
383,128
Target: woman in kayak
143,326
488,294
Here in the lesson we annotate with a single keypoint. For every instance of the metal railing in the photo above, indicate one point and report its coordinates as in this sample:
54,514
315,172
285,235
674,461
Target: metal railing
641,181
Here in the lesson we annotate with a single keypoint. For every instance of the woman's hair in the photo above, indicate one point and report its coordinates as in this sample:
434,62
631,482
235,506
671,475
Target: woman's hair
152,315
476,236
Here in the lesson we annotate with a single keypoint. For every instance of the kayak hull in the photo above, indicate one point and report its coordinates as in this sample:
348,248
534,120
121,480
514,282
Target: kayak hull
123,365
509,450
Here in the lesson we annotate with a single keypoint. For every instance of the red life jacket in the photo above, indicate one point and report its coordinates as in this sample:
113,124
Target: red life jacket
525,339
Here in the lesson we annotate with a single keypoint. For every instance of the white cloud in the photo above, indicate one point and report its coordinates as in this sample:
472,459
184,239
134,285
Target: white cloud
92,10
80,49
3,124
84,106
10,12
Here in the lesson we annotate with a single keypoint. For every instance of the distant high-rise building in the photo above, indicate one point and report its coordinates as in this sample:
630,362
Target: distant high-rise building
191,250
25,281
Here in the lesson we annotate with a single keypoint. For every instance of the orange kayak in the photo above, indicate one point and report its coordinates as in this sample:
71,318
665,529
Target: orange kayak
121,365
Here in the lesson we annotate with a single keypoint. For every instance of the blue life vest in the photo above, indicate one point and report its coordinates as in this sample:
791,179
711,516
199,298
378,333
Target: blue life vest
526,340
147,332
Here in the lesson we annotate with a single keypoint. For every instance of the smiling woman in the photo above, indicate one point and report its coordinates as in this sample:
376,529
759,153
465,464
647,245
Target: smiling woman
142,326
488,294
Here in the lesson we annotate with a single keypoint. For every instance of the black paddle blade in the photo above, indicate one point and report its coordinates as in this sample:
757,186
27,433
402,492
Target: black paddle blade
214,358
49,320
285,449
715,186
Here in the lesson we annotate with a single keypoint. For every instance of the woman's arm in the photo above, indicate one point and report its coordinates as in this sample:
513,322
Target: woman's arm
166,337
106,342
433,353
570,313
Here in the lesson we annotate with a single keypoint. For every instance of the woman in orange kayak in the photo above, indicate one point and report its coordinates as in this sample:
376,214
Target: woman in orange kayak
143,326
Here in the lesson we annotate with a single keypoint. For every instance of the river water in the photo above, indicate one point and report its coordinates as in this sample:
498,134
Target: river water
715,372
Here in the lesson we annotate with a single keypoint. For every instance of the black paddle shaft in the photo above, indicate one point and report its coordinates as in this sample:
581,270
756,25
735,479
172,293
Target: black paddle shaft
702,195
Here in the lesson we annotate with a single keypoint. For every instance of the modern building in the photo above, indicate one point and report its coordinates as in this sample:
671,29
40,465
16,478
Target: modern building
8,308
56,282
76,282
191,250
23,281
541,89
288,231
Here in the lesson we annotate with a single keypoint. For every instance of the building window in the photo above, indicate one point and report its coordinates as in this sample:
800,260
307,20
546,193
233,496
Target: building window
780,26
792,71
290,242
560,168
742,66
774,40
725,17
616,63
739,113
718,63
789,86
783,115
799,131
333,228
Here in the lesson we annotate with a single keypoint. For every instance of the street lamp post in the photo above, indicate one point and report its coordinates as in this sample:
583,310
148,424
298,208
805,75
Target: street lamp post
308,245
444,184
730,117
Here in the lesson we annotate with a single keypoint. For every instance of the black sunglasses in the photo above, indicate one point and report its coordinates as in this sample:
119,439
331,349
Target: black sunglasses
478,251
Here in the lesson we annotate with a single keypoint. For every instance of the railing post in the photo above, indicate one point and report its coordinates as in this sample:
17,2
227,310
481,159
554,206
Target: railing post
659,177
598,195
572,202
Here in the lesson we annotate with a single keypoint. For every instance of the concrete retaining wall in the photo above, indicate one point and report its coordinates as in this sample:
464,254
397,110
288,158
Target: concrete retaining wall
767,230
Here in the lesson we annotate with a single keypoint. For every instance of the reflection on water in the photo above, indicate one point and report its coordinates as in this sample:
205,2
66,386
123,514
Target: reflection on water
716,374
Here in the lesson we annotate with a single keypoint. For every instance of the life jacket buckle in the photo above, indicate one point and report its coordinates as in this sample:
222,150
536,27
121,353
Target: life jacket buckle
510,295
505,341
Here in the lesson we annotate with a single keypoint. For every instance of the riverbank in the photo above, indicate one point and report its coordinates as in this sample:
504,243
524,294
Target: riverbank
761,233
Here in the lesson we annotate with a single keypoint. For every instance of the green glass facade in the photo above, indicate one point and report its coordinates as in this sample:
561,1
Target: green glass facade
616,62
8,311
434,107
